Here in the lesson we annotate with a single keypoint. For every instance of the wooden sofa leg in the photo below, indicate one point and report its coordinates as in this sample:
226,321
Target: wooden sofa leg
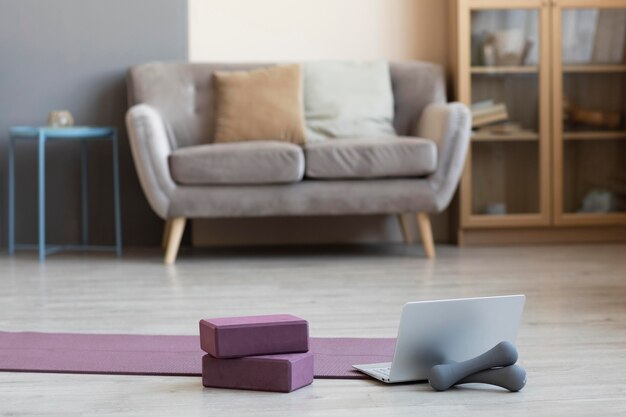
166,233
174,233
427,234
404,226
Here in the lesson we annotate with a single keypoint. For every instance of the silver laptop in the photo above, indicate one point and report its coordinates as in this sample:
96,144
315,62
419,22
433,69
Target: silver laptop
434,332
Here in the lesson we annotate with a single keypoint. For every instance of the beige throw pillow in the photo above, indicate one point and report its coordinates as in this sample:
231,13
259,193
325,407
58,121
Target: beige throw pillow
262,104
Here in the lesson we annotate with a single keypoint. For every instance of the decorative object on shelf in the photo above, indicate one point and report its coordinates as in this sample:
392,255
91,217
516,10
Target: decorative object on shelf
496,209
489,54
503,48
593,117
60,118
504,37
607,119
511,46
483,52
599,201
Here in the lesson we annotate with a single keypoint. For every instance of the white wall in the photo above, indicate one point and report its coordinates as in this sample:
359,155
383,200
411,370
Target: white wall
291,30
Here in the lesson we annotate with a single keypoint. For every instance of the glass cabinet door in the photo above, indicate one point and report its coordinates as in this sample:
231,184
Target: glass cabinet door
508,96
590,114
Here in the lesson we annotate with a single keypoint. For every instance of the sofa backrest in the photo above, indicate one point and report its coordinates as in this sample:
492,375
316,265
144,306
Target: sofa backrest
183,94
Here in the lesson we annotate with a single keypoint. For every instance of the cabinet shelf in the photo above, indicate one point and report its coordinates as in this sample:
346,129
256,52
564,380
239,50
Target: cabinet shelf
496,70
591,135
594,68
524,136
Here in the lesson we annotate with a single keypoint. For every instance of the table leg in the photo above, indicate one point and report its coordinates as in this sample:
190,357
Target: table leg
116,191
42,196
11,196
85,192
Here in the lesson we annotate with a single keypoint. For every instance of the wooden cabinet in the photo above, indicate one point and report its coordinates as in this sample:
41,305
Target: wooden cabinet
546,81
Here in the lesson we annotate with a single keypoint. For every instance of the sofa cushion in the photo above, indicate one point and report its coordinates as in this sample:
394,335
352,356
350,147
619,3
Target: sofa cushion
262,104
371,158
347,100
259,162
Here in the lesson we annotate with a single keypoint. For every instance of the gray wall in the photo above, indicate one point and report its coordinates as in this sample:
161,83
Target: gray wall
73,54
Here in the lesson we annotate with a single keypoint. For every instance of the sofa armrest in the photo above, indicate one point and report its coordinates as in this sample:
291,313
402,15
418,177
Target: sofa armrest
151,148
449,125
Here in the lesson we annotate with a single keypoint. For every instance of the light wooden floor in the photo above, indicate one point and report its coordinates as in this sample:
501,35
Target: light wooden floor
572,341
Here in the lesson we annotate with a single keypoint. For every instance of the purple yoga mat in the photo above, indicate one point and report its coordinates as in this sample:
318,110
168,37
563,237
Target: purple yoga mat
162,355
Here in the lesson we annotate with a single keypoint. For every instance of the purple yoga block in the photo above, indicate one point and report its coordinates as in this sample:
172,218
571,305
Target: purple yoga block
278,373
236,337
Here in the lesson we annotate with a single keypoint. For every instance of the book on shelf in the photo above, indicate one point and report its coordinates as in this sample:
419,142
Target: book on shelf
487,107
506,128
489,119
487,112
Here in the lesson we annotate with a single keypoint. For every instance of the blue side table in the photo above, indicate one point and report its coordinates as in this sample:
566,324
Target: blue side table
42,135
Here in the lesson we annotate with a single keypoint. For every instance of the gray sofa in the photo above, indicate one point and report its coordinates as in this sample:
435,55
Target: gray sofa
183,175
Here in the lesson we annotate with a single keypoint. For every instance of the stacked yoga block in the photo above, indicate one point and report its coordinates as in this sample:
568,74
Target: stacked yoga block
265,353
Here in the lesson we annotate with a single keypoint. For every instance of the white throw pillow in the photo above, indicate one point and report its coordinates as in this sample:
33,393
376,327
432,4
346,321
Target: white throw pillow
347,100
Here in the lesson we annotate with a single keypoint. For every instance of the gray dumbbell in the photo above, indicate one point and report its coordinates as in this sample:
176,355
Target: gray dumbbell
511,377
441,377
